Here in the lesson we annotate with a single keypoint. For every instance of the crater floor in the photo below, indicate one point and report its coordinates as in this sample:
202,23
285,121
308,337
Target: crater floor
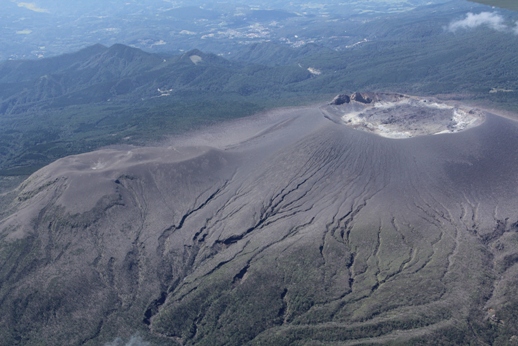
402,116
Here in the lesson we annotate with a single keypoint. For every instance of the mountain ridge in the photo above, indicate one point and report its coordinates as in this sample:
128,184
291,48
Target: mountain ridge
106,68
102,96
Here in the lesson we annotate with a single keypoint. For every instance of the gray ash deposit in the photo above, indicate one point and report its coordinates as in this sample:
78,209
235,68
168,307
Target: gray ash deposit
280,229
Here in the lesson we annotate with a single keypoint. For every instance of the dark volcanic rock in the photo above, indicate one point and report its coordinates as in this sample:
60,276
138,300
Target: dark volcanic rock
362,98
341,99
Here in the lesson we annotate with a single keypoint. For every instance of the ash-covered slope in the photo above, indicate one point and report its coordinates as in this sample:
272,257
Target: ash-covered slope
283,229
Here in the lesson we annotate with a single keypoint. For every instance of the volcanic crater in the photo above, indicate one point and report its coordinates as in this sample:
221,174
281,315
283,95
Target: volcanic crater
401,116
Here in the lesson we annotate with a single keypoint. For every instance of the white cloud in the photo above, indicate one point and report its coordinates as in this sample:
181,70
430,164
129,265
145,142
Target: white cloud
32,6
489,19
24,32
515,29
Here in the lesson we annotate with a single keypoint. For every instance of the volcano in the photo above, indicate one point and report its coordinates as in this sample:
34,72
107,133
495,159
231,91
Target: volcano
286,228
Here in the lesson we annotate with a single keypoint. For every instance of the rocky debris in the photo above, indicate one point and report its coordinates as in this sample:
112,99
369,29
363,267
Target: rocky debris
341,99
362,98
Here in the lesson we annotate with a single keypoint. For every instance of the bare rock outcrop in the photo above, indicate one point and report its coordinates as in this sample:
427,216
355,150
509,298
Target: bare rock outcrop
341,99
361,97
365,98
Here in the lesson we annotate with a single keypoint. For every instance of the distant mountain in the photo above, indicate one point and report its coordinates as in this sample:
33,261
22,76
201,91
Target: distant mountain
79,92
94,73
270,15
25,70
98,74
191,13
274,54
507,4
